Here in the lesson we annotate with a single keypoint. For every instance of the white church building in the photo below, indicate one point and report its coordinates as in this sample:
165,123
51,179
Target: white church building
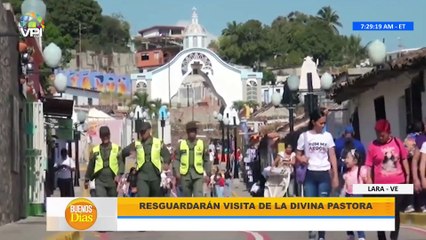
197,73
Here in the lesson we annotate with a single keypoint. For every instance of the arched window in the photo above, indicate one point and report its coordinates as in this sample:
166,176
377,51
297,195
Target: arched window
141,86
252,90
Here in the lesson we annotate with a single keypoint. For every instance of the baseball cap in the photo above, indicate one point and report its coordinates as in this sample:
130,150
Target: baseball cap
349,129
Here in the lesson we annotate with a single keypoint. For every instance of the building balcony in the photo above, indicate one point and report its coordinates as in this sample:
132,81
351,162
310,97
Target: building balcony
148,59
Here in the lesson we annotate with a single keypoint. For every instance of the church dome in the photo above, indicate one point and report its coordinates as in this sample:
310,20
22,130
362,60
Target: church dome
194,28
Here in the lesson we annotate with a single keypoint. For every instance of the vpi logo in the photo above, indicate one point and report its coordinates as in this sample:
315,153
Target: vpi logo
31,25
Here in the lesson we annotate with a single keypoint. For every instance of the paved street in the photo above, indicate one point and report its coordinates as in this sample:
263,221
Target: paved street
406,234
34,228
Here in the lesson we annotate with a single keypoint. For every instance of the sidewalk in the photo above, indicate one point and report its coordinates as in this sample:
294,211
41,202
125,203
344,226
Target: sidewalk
35,227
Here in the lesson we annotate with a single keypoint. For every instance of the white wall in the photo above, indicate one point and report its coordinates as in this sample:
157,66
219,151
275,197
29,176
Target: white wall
151,33
268,90
81,100
225,79
392,91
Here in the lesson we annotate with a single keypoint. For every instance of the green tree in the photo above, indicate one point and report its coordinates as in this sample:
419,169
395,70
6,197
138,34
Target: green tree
288,40
353,53
142,100
330,17
239,105
268,77
114,35
67,19
214,46
244,43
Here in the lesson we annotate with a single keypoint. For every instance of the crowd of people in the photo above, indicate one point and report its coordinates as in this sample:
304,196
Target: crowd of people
312,164
321,166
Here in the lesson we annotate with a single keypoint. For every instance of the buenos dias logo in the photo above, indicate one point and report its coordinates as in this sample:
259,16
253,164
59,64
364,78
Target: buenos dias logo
81,214
31,25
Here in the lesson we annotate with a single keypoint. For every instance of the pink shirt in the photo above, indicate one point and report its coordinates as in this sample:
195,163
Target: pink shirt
385,160
351,178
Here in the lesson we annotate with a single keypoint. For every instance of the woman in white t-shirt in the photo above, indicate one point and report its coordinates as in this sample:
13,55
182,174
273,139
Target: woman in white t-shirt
315,149
64,168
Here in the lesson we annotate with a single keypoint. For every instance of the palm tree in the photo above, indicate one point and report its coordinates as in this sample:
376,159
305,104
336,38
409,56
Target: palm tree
330,17
140,99
353,51
155,107
152,107
238,105
231,29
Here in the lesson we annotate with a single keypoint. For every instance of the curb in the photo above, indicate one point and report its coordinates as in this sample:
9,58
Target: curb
67,236
418,219
72,235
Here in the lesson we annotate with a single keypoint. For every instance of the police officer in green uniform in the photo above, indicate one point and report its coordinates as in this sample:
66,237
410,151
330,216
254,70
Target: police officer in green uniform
192,163
151,154
105,166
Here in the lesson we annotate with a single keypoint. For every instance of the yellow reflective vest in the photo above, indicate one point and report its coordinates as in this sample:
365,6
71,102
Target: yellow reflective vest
113,159
155,154
198,157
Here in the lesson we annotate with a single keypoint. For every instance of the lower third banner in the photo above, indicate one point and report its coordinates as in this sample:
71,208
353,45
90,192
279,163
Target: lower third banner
220,214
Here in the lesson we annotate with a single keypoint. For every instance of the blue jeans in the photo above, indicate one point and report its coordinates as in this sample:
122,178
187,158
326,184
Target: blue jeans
317,184
219,190
361,234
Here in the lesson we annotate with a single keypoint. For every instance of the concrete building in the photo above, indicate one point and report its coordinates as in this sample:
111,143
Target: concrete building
173,32
283,74
13,164
395,93
87,88
87,72
158,45
226,82
118,63
82,97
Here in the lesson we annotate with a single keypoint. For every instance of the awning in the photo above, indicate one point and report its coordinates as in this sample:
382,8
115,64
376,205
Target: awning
58,107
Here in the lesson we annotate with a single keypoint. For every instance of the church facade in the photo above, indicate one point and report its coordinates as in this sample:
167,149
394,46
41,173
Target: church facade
197,73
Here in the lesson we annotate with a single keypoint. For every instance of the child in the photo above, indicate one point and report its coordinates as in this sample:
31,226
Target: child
165,183
220,183
132,180
123,187
212,182
228,184
355,174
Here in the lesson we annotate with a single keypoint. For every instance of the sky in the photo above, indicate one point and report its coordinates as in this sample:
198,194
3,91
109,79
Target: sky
215,14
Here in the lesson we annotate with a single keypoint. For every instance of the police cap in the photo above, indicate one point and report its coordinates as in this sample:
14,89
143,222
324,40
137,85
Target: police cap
191,126
145,126
104,132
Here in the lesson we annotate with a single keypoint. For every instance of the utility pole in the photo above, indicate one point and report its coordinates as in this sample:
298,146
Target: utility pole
79,47
79,35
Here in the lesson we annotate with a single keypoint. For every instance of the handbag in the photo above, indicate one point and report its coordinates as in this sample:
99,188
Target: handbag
301,169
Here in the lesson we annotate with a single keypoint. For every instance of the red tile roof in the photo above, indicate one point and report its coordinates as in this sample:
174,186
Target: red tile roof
346,88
